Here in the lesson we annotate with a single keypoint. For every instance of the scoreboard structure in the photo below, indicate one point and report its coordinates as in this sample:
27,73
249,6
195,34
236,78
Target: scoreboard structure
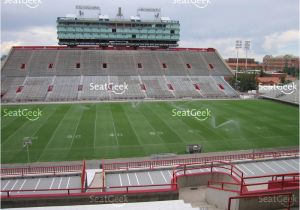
102,30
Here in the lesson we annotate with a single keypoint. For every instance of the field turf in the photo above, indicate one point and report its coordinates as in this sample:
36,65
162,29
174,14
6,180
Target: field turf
113,130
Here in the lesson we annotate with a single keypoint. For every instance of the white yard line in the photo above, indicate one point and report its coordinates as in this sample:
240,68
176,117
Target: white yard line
52,183
128,179
137,179
113,122
266,165
164,177
37,184
258,168
120,180
95,121
150,178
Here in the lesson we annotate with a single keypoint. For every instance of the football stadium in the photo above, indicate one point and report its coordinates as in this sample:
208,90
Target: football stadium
118,116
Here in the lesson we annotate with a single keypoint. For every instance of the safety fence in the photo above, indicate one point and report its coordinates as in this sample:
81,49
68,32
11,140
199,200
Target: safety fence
150,164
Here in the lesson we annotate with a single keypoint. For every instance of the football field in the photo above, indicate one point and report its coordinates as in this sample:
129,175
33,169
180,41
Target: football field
62,132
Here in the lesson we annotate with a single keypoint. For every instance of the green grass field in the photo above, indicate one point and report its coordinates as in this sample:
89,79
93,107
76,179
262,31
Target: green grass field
114,130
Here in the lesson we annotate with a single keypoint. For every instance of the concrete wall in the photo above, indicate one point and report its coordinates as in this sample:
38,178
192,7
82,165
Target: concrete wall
269,202
88,199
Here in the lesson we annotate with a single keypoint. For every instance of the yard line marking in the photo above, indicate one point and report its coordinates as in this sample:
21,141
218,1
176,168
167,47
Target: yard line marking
258,168
37,184
170,174
120,180
290,165
150,178
53,134
95,121
137,179
22,185
52,183
14,185
114,127
164,177
6,185
266,165
128,179
279,166
59,183
248,169
68,182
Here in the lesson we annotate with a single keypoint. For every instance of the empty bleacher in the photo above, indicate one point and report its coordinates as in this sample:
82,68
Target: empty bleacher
63,74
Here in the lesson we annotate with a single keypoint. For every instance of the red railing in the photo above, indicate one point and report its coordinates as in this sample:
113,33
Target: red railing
83,177
226,168
269,183
96,190
160,163
39,170
288,206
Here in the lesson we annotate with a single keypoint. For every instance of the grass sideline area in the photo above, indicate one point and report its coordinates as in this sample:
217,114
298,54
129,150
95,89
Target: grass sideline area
113,130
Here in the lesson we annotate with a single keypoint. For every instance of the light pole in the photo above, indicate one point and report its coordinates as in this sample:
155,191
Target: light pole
26,142
247,47
238,45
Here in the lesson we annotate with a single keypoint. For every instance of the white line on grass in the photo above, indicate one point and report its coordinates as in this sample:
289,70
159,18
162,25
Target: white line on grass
114,127
53,134
95,121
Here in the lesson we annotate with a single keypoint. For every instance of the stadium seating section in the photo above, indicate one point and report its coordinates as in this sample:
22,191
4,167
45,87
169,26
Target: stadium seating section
65,74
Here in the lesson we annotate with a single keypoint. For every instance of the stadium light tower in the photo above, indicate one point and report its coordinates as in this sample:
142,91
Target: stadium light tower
26,142
238,45
247,47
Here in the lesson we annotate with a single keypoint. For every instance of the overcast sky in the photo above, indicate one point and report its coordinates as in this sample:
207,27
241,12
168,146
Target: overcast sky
271,25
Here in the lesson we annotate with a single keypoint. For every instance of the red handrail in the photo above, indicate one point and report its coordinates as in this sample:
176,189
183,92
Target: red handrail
171,162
